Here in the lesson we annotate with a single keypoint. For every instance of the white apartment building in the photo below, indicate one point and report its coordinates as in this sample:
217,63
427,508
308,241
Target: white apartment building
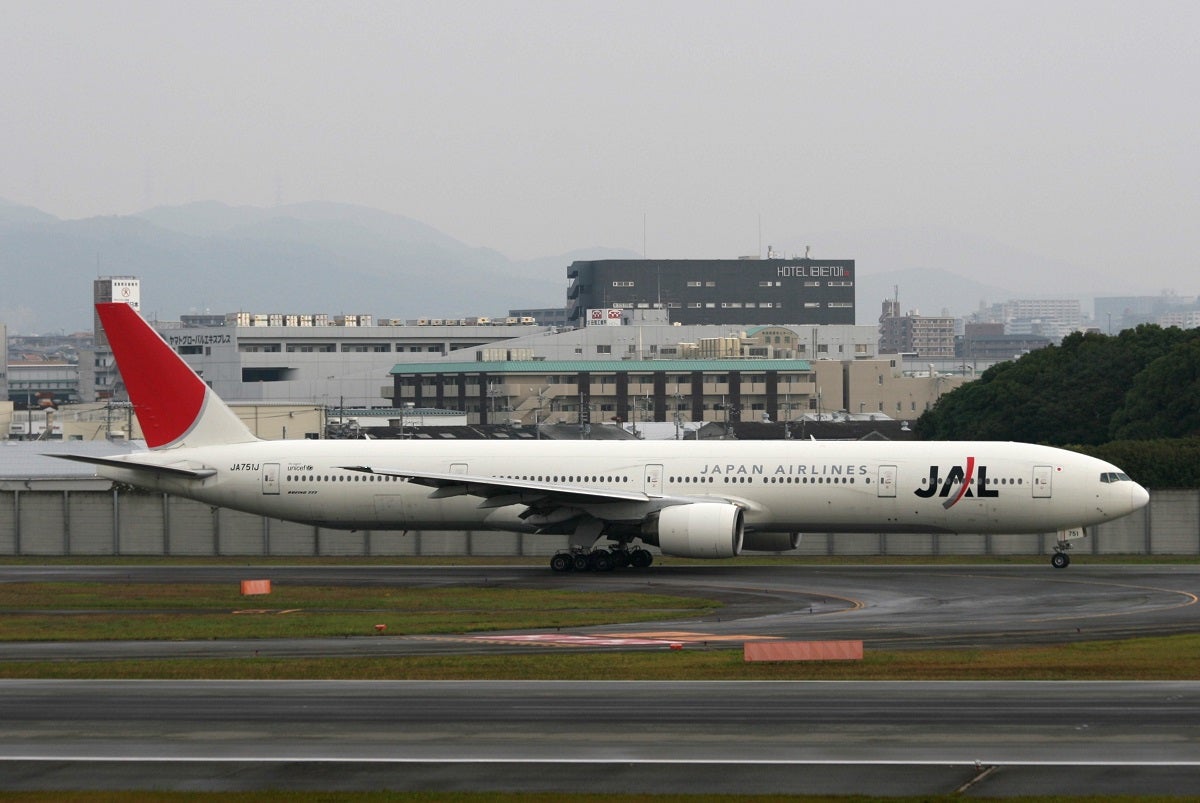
1054,318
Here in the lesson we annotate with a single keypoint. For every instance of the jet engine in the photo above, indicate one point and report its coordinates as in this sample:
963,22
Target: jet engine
700,530
770,542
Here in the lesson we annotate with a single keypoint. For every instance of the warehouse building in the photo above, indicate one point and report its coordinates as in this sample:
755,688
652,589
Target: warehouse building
347,366
608,391
585,392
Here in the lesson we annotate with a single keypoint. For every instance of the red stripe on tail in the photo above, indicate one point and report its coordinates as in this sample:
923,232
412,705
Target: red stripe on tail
167,394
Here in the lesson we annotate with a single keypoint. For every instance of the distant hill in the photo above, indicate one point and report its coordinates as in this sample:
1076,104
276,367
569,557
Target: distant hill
14,216
209,218
316,257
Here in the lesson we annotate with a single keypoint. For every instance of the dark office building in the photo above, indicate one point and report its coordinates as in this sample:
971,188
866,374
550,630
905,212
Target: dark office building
987,341
717,291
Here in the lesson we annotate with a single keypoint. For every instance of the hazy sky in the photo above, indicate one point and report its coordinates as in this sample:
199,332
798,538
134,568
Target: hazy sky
1070,129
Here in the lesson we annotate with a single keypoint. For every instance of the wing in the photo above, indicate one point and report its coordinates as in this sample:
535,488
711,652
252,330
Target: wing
539,497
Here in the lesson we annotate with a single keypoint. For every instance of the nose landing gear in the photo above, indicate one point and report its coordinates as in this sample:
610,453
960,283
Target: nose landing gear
1060,559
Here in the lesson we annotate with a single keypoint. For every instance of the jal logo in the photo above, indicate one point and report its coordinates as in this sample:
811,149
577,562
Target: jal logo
957,484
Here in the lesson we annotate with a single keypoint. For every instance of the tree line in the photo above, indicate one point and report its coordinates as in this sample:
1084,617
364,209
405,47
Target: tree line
1131,398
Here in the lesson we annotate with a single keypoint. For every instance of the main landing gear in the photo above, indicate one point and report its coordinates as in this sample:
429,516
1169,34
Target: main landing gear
579,559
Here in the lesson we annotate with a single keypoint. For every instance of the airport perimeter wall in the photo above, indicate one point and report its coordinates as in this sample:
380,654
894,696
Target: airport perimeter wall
86,518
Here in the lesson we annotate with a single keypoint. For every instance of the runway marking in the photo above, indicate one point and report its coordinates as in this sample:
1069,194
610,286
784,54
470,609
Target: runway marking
566,640
306,759
855,604
1189,598
656,638
267,611
683,635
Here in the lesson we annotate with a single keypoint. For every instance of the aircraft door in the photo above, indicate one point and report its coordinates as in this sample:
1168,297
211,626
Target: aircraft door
270,479
390,510
458,468
887,482
1041,481
654,480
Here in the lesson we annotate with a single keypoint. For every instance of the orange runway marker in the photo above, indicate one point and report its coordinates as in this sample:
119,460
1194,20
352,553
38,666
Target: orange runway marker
803,651
250,587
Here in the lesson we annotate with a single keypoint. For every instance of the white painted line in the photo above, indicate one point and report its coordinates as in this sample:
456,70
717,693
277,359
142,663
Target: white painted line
590,760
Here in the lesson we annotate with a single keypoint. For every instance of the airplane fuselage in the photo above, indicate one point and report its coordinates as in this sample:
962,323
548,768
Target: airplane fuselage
823,486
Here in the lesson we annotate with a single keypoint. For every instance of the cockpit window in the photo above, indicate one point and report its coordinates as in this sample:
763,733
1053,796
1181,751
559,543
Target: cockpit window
1114,476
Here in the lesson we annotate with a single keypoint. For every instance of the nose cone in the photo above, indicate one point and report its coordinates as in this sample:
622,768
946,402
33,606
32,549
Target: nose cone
1139,497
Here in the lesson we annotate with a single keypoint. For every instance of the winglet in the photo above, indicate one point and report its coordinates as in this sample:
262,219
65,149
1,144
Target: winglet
173,405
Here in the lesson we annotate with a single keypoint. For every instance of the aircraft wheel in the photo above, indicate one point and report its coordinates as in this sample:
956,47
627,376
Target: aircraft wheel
620,558
601,561
562,563
1060,560
581,563
641,558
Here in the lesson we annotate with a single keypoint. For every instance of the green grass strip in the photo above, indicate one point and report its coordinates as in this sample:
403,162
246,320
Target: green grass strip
1166,658
157,611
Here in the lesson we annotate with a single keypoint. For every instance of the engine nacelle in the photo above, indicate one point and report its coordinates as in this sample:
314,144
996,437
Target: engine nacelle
770,542
701,530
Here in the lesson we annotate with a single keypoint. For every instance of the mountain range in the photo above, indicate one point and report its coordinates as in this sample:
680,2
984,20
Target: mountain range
346,259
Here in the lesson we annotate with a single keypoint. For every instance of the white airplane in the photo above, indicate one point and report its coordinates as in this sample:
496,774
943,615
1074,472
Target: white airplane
696,499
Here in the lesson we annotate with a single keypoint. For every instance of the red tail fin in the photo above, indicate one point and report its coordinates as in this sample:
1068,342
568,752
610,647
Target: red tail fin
173,405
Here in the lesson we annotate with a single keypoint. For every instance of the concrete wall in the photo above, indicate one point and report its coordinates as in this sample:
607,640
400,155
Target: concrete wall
64,518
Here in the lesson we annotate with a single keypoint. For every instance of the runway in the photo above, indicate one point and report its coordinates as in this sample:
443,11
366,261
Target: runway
829,738
738,738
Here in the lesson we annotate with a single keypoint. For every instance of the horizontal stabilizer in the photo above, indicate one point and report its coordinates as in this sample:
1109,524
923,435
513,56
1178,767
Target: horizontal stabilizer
168,471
